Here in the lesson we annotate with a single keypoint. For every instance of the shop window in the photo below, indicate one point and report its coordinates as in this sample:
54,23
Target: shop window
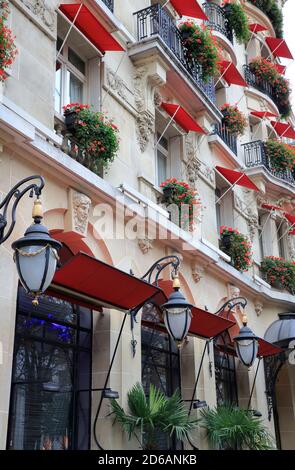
225,378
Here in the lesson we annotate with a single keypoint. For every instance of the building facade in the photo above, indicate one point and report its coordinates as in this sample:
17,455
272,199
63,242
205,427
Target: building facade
53,355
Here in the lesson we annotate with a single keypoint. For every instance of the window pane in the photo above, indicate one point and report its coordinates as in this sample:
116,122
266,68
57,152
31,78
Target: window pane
76,89
76,61
57,95
162,167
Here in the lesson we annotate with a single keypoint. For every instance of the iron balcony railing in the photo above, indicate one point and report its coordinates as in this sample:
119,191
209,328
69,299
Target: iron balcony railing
109,4
155,21
263,86
229,139
255,155
218,20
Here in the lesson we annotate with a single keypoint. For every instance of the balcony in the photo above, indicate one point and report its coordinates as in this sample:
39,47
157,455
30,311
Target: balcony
109,4
229,139
217,20
255,156
154,22
263,86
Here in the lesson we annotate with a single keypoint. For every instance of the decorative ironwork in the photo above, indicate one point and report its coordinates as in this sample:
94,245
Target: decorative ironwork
272,366
255,155
218,20
155,21
262,85
229,139
109,4
18,193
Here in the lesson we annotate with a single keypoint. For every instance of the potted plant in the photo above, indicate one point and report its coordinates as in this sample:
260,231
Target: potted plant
237,21
232,428
95,136
237,246
279,273
149,415
234,120
184,198
201,48
280,155
7,45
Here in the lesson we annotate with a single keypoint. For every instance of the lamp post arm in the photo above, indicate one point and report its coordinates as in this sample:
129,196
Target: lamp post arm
159,265
232,303
18,194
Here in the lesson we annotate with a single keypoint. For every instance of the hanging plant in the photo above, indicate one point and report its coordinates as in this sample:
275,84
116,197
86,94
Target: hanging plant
8,49
274,13
234,120
283,93
280,155
237,246
238,21
185,198
95,135
279,273
201,47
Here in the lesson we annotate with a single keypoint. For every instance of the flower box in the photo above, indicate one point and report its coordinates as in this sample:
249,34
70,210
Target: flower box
7,45
279,273
71,121
237,246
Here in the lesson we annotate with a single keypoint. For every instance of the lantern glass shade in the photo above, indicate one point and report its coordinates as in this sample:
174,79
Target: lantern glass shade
177,322
246,346
36,258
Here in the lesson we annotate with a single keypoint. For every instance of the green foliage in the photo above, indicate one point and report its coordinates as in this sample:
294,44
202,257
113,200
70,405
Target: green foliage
271,9
233,119
238,21
239,249
201,47
280,155
234,428
279,273
149,415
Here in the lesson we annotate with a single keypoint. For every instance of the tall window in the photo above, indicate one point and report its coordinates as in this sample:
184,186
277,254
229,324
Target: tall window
70,77
160,364
281,235
225,378
162,159
52,365
260,237
218,208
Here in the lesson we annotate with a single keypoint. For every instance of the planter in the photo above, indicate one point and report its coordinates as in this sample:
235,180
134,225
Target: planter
227,10
185,35
71,121
226,241
168,193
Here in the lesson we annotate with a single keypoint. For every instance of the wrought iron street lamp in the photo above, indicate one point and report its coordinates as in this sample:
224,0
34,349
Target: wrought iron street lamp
35,254
246,344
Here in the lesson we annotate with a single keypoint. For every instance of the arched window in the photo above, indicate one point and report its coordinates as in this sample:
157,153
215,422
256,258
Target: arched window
51,367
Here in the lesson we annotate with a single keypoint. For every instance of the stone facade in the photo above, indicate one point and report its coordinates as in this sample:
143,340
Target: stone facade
131,86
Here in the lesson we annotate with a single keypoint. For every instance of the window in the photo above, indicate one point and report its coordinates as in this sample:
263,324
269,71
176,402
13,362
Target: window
52,365
225,378
260,237
162,159
218,208
160,364
70,77
281,235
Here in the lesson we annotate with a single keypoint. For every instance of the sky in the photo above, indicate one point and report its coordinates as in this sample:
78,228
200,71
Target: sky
289,30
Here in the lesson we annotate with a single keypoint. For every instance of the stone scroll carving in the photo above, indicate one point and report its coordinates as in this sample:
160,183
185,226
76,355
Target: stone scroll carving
44,10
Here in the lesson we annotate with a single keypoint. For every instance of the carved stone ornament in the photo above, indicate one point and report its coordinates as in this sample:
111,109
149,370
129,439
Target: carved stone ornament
158,99
116,83
198,272
44,10
145,128
192,164
145,245
258,306
291,247
77,216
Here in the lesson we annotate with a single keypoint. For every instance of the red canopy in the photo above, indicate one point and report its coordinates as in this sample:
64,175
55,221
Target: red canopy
271,207
189,8
257,27
265,349
280,68
290,217
230,73
236,177
89,25
278,47
91,278
283,129
182,118
203,324
263,114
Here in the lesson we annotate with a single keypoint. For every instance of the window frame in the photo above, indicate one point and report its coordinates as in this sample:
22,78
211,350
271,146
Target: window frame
165,152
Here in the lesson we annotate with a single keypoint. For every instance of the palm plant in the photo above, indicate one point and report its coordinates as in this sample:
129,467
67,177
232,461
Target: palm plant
229,427
153,414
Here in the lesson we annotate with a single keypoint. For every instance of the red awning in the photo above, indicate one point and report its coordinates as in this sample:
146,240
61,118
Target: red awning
94,279
230,73
237,178
257,27
283,129
189,8
292,232
263,114
278,47
290,217
89,25
266,349
271,207
182,118
204,324
280,68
